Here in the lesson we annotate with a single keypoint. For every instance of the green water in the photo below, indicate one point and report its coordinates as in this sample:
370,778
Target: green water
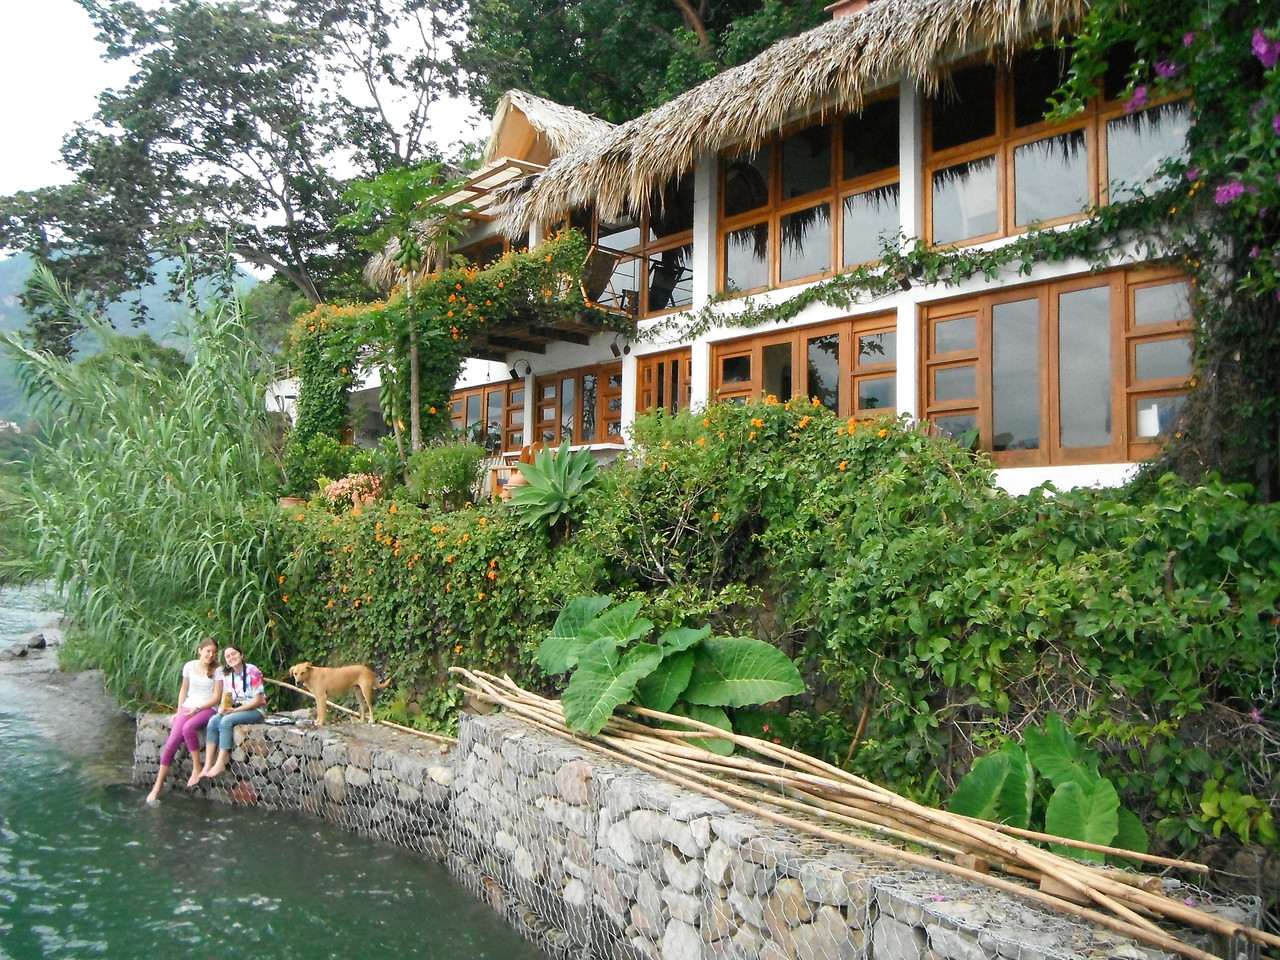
88,871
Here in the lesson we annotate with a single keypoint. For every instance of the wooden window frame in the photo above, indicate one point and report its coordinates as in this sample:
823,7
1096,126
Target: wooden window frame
508,430
653,367
850,370
1008,137
604,394
1125,389
839,188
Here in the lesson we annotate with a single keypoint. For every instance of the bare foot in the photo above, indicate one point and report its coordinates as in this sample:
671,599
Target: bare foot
194,778
153,798
216,769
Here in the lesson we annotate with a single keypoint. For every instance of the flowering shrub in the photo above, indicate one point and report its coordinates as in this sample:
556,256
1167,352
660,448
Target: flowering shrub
351,490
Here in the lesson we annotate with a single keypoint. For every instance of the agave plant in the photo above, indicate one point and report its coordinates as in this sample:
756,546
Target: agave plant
555,483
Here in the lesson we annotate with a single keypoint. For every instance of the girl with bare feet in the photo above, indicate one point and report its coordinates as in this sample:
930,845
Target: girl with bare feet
243,701
200,692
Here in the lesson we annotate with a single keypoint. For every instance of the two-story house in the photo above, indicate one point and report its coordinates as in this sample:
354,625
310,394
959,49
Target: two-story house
895,120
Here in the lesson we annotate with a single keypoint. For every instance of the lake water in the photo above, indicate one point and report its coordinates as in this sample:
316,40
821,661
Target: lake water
88,871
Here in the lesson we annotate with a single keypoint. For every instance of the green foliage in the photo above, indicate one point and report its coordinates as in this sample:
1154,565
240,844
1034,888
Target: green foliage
445,474
554,483
308,463
684,670
154,512
1225,807
1082,805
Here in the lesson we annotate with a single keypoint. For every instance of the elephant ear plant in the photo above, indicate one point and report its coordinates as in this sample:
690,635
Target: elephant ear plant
684,670
1081,804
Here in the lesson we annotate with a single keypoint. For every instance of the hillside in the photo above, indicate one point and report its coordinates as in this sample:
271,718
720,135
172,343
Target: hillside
161,321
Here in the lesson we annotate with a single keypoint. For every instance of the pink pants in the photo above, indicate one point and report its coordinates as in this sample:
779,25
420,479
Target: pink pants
186,729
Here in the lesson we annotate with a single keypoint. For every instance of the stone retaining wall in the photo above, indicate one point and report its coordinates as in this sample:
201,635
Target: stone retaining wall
594,859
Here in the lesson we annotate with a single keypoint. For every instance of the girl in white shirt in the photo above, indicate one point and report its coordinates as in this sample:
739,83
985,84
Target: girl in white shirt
197,699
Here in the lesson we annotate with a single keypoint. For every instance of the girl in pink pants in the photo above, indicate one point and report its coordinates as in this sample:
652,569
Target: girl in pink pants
197,699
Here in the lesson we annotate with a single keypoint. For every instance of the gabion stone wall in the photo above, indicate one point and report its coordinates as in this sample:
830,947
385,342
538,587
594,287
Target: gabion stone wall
596,860
600,860
364,778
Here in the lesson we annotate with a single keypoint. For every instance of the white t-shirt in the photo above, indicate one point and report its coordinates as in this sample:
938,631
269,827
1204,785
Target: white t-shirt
199,684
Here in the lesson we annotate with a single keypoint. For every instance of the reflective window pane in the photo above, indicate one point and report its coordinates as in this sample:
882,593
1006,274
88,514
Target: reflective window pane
806,161
1051,178
877,348
950,336
823,358
955,383
473,411
1161,359
1036,75
1015,375
735,369
806,243
1167,303
671,278
953,427
746,258
588,408
671,208
776,360
965,108
870,219
1139,144
1157,416
746,182
1084,367
566,409
870,139
964,201
877,393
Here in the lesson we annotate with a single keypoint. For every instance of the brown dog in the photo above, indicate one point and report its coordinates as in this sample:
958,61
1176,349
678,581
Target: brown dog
326,682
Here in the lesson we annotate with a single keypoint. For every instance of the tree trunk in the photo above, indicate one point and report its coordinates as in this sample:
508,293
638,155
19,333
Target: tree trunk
415,400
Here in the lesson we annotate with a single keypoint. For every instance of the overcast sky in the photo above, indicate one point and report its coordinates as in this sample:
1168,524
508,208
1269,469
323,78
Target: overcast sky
51,72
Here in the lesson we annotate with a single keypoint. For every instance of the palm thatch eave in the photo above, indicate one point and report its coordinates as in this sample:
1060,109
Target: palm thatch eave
836,66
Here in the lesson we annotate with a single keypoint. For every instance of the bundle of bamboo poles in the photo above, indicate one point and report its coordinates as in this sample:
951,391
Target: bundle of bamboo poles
802,793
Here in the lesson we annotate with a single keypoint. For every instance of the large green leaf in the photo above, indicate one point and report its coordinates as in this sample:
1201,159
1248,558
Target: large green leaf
619,624
1131,835
682,638
736,671
662,688
1019,788
978,792
603,682
1083,813
1057,755
559,651
712,715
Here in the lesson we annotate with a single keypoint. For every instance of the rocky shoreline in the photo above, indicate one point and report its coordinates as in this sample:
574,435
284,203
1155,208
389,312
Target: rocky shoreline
70,709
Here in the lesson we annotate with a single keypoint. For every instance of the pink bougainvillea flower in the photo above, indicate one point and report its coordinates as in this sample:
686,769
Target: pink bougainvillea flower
1137,101
1188,38
1275,124
1227,192
1193,174
1167,69
1267,51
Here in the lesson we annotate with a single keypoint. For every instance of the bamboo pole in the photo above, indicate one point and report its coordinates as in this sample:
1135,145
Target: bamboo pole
805,784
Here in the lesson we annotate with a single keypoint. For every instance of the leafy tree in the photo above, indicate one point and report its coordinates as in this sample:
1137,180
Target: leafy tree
616,60
232,130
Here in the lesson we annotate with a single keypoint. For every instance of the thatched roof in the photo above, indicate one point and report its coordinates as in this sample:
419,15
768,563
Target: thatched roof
531,128
833,67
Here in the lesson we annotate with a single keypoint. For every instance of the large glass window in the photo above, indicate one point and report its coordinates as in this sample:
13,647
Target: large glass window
849,366
1045,373
491,415
581,406
994,166
812,200
664,380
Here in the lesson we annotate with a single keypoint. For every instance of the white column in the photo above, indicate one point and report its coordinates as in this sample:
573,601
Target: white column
706,197
910,165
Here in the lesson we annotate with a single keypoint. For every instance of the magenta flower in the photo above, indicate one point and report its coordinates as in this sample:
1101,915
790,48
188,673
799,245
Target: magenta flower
1275,124
1193,174
1254,251
1188,38
1137,101
1255,715
1227,192
1167,69
1268,51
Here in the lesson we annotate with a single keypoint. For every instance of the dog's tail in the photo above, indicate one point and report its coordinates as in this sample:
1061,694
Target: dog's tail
383,685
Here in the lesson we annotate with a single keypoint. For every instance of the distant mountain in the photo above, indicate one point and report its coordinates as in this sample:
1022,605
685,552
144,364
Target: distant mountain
162,319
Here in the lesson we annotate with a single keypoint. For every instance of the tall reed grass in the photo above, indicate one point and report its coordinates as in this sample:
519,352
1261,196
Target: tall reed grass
153,510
